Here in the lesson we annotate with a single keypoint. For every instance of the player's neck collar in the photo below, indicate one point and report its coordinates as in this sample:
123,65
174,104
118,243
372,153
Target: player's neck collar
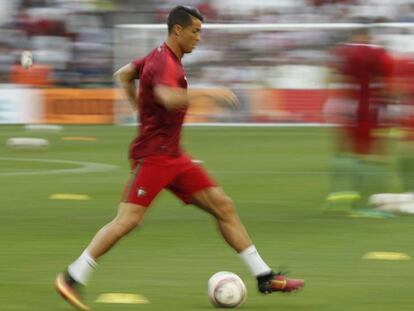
172,50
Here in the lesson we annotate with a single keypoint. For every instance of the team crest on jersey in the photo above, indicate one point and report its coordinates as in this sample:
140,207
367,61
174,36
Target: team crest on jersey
141,192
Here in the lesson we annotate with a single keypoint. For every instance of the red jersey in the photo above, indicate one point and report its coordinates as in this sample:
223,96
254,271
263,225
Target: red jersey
159,129
365,67
404,86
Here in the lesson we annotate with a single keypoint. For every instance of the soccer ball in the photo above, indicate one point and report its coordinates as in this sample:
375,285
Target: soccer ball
226,290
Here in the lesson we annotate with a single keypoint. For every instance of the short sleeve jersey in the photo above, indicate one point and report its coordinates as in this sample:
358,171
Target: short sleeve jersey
364,62
367,67
159,129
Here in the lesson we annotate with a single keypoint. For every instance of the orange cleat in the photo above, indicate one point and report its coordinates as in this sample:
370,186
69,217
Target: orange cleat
69,292
279,283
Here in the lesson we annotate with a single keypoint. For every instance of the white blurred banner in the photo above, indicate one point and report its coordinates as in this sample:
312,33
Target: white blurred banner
20,105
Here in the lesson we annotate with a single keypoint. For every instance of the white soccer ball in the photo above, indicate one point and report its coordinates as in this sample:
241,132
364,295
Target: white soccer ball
26,59
226,290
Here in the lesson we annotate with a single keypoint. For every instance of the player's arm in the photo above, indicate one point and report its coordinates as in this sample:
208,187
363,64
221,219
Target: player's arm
126,76
174,98
222,96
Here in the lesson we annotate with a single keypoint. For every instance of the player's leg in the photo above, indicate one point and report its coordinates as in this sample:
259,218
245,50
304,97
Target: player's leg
406,166
128,218
146,181
217,203
194,186
78,273
214,201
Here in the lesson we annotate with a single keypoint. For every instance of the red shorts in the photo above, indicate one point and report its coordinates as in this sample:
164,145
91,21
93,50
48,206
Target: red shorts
150,175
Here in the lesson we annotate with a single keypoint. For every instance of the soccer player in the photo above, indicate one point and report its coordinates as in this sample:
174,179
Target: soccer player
403,87
364,71
158,162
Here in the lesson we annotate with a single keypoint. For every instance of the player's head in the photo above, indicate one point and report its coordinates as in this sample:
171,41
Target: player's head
184,24
362,33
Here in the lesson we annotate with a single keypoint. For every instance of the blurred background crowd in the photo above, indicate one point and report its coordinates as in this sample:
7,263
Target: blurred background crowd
73,40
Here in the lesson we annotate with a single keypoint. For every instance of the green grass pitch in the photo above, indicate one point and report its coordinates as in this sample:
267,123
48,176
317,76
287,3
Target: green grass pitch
278,178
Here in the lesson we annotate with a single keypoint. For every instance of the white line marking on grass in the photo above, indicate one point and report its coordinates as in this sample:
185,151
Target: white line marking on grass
85,167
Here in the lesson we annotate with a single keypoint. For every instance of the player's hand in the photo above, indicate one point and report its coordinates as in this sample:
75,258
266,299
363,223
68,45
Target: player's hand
226,97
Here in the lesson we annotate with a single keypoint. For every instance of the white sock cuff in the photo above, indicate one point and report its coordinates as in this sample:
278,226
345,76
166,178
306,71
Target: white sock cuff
252,259
250,250
81,269
89,259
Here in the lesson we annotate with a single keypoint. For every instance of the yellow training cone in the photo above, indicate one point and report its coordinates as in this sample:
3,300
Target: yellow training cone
386,256
79,138
122,298
69,196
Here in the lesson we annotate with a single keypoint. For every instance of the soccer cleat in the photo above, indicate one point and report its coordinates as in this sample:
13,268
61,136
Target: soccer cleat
278,283
66,287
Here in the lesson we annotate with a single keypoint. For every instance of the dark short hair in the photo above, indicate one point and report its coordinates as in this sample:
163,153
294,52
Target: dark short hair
181,15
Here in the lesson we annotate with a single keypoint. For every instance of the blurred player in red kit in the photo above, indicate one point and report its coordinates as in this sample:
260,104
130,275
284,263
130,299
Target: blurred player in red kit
404,90
363,73
160,163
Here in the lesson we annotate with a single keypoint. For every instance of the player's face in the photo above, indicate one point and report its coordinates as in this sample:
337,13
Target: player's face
190,36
